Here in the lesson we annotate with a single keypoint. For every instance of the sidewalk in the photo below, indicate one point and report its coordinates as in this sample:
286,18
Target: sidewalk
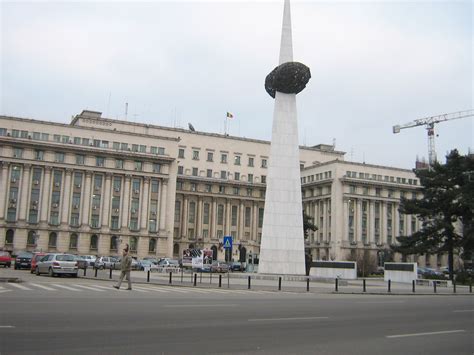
289,283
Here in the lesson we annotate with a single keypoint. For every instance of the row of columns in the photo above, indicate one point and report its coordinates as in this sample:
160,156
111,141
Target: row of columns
66,197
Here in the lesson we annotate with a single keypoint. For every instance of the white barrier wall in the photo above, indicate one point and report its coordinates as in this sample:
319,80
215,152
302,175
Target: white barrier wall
401,272
334,269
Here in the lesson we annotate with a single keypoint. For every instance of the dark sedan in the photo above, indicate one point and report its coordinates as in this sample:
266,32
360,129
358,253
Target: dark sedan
23,260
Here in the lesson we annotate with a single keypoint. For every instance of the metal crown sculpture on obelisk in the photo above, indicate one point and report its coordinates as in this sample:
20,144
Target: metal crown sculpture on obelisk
282,244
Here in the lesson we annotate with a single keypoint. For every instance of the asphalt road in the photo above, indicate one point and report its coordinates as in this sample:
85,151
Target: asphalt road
76,316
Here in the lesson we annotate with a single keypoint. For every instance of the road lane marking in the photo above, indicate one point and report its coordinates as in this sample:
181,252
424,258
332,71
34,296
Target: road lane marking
381,302
7,326
90,288
43,287
199,305
67,288
3,291
138,289
21,287
463,310
156,289
428,333
284,319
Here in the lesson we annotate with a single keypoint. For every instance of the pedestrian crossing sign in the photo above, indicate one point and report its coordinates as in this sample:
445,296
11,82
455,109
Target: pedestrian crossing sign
227,242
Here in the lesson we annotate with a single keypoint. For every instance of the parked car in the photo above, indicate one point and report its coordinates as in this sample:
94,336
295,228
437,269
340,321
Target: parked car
146,264
57,264
23,260
236,266
34,260
168,263
428,272
118,264
5,259
90,259
153,260
219,266
104,262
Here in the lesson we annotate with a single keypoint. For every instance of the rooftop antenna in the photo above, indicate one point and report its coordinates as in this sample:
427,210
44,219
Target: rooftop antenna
126,110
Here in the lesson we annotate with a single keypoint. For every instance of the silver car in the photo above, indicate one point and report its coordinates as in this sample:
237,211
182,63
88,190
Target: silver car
57,264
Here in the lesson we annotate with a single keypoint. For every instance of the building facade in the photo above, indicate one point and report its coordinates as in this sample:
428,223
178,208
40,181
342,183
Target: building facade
90,186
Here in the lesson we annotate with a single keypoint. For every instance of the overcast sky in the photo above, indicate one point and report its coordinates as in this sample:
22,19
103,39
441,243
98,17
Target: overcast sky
373,65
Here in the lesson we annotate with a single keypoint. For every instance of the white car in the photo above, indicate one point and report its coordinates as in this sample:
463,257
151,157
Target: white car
90,259
57,264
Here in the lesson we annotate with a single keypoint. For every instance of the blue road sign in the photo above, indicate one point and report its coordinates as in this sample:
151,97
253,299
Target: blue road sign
227,242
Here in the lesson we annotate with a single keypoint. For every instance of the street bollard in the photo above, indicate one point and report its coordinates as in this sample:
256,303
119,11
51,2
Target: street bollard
470,287
220,280
148,276
337,284
110,273
434,286
454,286
85,268
364,288
95,272
181,275
248,285
389,286
195,279
210,278
228,280
413,286
192,274
171,278
200,278
307,284
279,283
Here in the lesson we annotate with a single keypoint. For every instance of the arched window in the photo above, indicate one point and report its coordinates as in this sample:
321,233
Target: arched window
9,236
114,243
152,245
73,241
94,242
53,238
214,252
243,255
31,240
133,244
176,249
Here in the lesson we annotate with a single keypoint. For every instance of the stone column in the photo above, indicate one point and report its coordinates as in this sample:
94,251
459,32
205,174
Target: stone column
358,220
86,200
105,215
163,199
227,218
25,184
371,223
241,231
144,205
45,194
383,223
254,235
345,222
199,218
126,201
212,232
66,197
184,226
3,188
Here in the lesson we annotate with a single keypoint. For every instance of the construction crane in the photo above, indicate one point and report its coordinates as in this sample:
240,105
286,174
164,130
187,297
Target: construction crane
429,122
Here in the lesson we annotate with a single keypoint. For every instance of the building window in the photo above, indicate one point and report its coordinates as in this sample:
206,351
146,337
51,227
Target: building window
193,187
52,240
250,177
117,183
179,185
54,218
138,165
114,242
133,243
94,242
236,176
208,188
80,159
195,154
223,174
205,219
251,161
248,213
118,163
114,222
59,157
234,216
180,170
264,179
221,189
209,173
142,148
260,217
210,156
237,160
99,161
181,153
156,168
136,186
152,245
264,163
177,211
39,154
195,171
155,185
75,219
17,152
220,215
9,236
73,241
123,146
236,191
134,223
192,212
95,221
116,145
224,158
249,192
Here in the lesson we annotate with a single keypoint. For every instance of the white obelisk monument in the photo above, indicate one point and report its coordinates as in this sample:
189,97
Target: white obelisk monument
282,244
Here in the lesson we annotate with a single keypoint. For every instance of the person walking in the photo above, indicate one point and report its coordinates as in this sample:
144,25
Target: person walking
125,268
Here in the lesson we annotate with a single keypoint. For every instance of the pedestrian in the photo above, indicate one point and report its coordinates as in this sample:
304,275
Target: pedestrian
125,268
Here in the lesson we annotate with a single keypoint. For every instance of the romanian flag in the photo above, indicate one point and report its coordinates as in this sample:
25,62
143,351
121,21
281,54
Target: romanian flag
230,116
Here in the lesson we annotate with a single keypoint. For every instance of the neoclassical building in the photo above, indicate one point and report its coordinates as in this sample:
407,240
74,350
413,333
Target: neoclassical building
90,186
